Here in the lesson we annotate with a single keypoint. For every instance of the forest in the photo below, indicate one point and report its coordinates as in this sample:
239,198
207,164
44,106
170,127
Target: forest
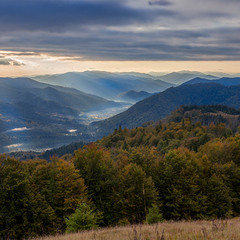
180,168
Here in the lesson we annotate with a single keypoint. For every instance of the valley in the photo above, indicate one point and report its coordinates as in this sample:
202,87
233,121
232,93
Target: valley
38,116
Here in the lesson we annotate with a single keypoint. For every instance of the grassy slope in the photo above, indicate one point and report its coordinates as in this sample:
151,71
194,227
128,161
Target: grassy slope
210,230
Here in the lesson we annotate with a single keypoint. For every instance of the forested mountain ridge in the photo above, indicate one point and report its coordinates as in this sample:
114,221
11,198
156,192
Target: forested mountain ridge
207,114
160,105
212,119
183,76
225,81
134,96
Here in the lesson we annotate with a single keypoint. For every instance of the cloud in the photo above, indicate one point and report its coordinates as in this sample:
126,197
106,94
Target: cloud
121,30
4,62
16,63
7,53
164,44
61,15
9,61
154,44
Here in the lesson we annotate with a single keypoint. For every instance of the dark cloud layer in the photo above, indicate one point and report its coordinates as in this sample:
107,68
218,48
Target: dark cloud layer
61,15
211,44
122,30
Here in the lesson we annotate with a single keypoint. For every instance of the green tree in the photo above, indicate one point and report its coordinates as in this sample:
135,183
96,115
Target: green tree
96,167
178,184
218,203
154,215
145,157
24,212
82,219
134,194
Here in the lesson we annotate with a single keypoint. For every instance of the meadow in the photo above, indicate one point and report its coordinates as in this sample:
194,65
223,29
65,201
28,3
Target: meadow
182,230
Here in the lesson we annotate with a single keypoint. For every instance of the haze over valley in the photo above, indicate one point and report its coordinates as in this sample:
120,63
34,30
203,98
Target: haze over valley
51,111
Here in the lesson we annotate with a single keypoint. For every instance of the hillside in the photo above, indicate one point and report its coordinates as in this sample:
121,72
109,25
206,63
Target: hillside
160,105
63,124
170,170
48,154
223,81
183,76
206,115
105,84
14,90
179,230
37,116
215,121
134,96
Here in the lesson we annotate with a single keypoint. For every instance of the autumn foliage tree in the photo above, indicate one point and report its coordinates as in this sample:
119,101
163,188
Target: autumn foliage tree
180,169
62,187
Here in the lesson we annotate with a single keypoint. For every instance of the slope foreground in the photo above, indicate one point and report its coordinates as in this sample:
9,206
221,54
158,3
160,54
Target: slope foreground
171,170
211,230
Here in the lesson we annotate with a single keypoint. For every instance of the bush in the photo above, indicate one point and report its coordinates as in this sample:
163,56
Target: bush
83,218
154,215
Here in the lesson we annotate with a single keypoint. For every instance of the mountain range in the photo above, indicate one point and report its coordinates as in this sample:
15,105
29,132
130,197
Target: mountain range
36,115
105,84
17,90
160,105
178,78
133,96
223,81
36,112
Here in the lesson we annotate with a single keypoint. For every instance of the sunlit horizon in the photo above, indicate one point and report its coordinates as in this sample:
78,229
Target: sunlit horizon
43,64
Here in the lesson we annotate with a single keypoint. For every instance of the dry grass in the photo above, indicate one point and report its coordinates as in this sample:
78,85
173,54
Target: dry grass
196,230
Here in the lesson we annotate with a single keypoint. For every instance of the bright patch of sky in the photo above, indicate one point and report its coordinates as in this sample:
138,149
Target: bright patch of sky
18,129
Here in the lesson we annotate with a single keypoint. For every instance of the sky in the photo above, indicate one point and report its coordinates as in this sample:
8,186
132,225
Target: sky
54,36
